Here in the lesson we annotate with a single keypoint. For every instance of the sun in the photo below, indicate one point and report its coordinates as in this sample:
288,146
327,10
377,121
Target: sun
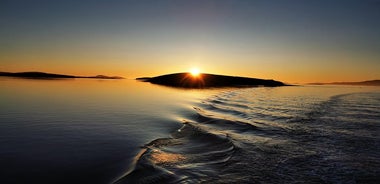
194,72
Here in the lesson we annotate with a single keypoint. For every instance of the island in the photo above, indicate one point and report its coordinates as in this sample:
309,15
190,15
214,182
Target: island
187,80
361,83
43,75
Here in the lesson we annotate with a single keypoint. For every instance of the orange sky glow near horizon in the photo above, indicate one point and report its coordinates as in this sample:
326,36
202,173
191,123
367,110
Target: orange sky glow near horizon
291,74
289,41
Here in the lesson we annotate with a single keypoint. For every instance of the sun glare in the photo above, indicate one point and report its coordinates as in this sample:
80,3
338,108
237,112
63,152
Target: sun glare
194,72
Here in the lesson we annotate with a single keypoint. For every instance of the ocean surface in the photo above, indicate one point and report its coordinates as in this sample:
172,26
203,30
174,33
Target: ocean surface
125,131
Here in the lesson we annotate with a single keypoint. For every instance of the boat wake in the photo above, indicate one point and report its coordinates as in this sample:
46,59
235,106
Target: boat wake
245,136
190,155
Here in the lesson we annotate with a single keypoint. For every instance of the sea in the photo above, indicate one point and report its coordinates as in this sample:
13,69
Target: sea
126,131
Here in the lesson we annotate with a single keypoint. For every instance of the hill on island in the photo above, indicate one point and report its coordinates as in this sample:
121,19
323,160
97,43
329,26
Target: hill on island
186,80
42,75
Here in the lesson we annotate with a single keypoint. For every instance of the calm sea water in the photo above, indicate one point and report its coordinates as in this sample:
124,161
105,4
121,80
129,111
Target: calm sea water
125,131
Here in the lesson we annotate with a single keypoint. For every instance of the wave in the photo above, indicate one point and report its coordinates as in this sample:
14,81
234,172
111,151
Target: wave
225,140
190,155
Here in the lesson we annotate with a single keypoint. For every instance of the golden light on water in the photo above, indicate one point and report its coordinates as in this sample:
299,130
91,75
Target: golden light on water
160,157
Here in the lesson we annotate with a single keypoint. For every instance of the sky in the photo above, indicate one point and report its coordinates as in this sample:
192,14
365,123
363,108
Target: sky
295,41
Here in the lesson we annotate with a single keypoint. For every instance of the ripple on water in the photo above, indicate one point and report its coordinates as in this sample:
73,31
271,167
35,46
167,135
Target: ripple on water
226,140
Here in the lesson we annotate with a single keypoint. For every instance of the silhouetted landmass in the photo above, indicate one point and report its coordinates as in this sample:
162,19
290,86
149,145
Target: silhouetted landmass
186,80
143,78
105,77
42,75
362,83
35,75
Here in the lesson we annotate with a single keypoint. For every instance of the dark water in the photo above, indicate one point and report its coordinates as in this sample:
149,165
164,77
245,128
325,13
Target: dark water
86,131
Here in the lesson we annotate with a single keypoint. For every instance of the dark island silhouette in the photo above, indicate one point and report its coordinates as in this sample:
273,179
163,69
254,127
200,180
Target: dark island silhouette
361,83
187,80
43,75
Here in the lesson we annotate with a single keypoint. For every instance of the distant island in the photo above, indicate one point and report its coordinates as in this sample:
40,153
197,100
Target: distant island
42,75
361,83
187,80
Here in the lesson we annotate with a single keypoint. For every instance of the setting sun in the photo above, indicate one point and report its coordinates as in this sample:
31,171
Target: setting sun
194,72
